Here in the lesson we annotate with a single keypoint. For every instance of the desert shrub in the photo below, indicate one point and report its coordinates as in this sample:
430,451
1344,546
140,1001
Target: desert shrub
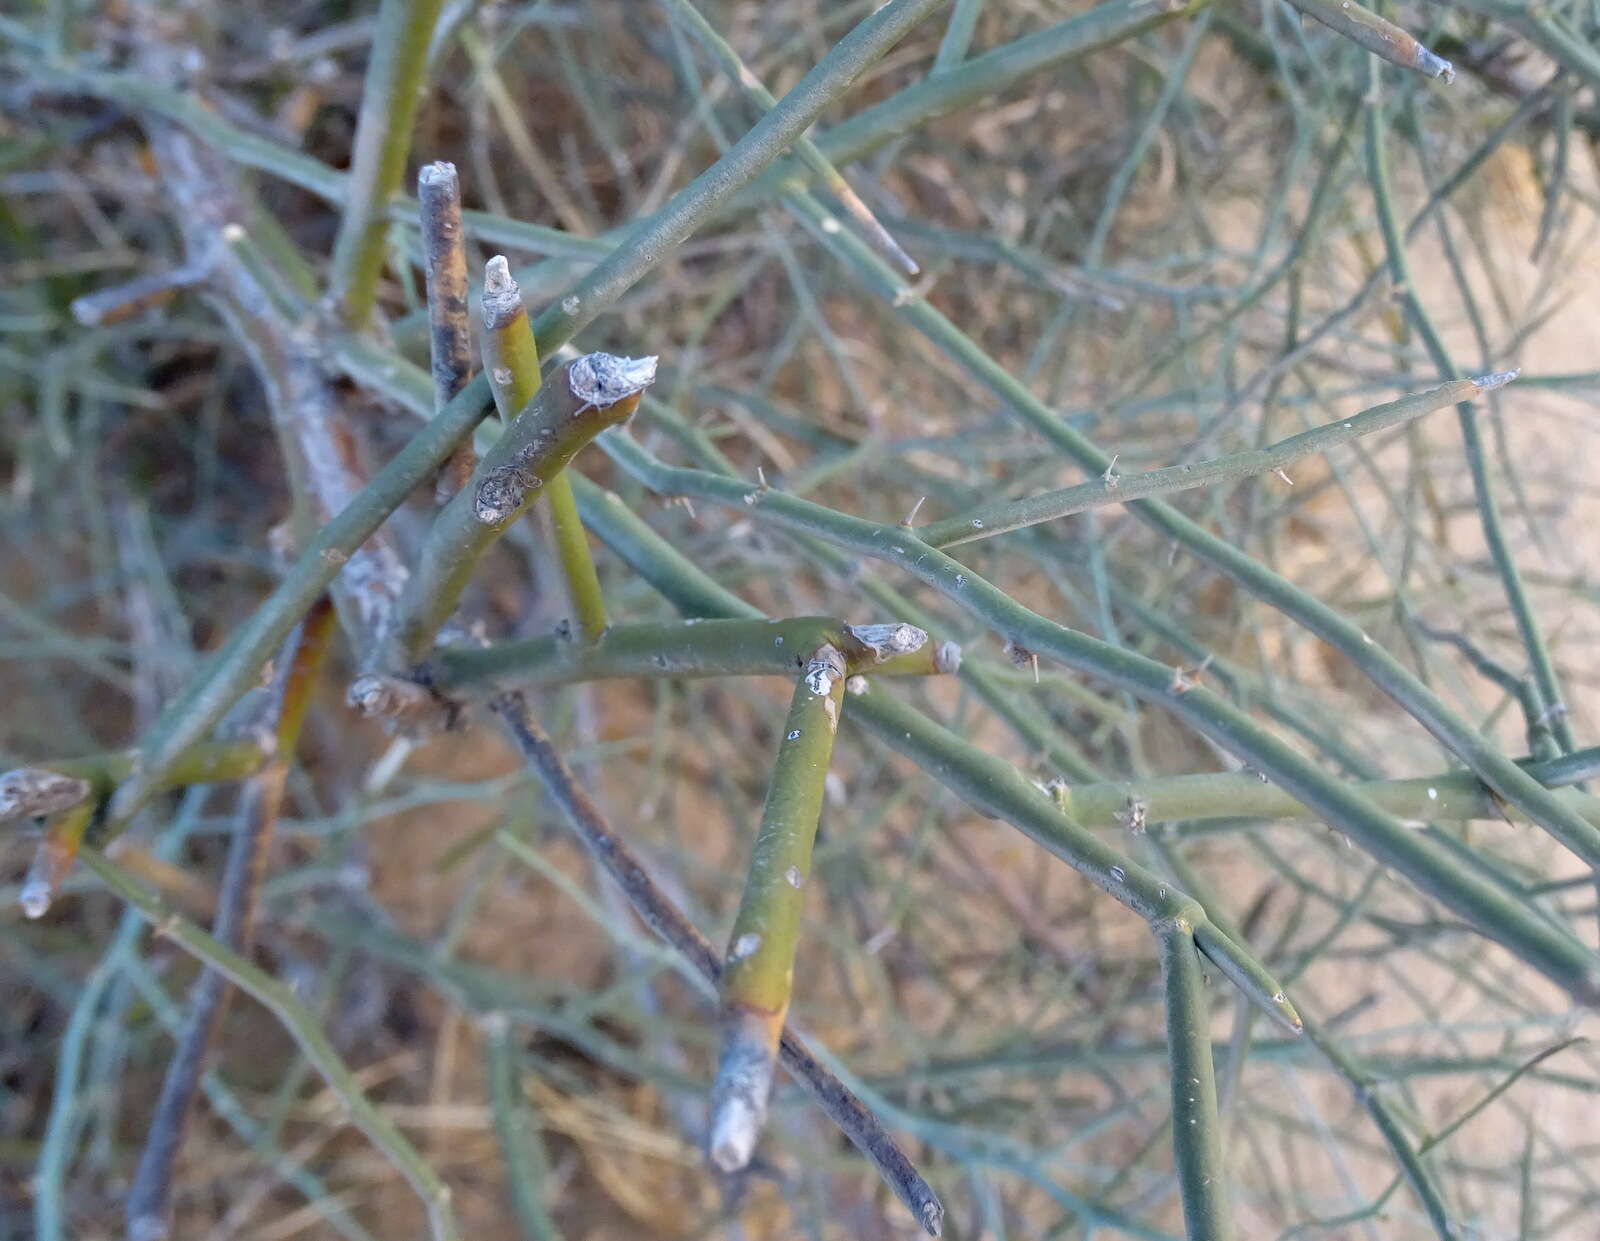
797,619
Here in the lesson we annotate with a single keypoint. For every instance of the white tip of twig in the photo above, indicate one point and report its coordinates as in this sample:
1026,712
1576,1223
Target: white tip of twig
887,640
1499,379
386,696
148,1228
29,792
932,1218
739,1099
733,1137
601,379
440,172
501,296
34,898
1435,66
947,657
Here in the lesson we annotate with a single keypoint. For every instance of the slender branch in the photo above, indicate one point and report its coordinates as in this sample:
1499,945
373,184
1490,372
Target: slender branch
119,302
758,974
958,33
147,1208
279,999
1553,709
1196,1126
521,1150
314,435
988,520
658,912
444,256
998,789
1447,796
390,95
712,648
513,356
1380,37
733,64
1362,1082
697,202
983,76
47,789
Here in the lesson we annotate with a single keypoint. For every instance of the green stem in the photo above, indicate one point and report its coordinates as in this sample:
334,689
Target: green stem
511,353
521,1150
577,565
958,32
1488,505
389,99
1362,1082
758,974
1448,796
280,1000
854,1119
1196,1127
23,792
988,520
983,76
804,147
597,391
996,788
711,648
777,131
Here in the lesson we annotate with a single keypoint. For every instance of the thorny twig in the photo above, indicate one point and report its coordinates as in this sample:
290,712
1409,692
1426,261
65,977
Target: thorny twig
662,916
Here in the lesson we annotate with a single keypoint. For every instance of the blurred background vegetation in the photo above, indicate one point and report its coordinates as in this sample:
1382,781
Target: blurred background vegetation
1177,242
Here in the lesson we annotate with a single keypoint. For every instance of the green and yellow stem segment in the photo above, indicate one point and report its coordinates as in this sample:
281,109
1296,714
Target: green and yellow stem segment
597,391
671,650
511,356
759,970
58,786
389,100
